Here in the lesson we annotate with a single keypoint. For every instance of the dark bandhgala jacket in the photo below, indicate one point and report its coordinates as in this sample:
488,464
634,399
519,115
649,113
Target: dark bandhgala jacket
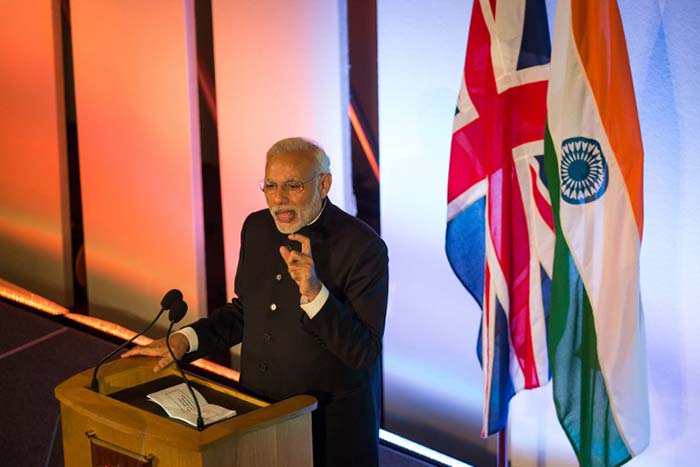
336,355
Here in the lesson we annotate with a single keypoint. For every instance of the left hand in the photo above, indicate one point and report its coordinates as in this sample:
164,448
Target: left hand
301,267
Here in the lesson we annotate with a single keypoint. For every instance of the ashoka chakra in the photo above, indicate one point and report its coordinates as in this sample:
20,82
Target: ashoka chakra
584,172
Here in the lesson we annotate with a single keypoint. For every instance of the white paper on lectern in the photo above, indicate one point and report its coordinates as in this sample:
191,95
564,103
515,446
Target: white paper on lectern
178,403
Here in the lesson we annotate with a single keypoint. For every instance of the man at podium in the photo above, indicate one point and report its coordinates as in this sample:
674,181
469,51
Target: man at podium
312,293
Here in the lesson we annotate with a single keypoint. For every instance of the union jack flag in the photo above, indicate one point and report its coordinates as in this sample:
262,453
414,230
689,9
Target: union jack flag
500,240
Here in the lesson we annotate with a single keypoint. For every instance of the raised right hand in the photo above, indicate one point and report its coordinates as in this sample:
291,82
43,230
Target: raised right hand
157,348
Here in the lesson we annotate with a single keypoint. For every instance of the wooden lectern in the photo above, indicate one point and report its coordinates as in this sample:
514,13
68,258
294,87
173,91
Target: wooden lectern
119,423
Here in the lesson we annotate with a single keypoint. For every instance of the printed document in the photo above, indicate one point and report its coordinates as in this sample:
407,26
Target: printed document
178,403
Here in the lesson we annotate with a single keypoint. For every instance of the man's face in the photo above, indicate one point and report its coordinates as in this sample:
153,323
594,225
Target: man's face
293,209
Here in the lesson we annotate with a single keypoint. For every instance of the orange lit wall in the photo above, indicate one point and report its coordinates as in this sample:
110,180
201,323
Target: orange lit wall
34,217
281,70
138,134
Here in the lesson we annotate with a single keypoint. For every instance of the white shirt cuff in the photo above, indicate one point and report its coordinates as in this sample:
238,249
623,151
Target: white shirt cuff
191,336
314,306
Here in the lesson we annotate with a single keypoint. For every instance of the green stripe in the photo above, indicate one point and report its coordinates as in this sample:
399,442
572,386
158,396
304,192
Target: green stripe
580,395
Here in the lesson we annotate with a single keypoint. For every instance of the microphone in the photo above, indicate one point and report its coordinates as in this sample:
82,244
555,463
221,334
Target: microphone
177,312
170,298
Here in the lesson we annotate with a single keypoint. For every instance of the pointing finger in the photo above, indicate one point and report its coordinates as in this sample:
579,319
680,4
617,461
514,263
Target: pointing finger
285,254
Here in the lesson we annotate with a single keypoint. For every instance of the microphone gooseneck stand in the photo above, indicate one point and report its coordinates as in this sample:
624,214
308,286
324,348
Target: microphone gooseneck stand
169,299
177,312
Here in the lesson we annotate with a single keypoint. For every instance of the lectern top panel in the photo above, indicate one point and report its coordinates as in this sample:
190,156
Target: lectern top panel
136,396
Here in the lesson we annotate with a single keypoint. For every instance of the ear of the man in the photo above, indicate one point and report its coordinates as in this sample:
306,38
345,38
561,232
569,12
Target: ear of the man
326,180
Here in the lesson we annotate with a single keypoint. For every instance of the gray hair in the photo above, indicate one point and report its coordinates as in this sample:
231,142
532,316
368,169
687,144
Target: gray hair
298,144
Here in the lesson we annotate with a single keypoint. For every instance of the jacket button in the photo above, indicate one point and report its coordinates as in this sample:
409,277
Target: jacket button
262,367
267,337
273,307
278,277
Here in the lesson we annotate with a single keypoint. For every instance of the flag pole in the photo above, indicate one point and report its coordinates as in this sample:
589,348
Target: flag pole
502,449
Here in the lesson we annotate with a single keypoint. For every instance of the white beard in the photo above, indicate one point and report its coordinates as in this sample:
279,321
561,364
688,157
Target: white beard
303,216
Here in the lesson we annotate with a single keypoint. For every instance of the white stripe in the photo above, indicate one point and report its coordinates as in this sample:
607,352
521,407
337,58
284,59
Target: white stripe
489,19
464,102
487,332
506,38
500,285
517,376
466,199
506,34
498,288
463,119
541,187
486,357
523,157
528,151
528,75
542,234
543,243
466,112
603,239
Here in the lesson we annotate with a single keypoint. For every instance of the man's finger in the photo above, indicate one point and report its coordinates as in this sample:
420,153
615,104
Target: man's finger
130,353
285,254
305,243
162,363
148,351
299,258
296,259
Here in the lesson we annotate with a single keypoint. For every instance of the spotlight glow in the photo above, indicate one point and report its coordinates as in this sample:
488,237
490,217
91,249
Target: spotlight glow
420,449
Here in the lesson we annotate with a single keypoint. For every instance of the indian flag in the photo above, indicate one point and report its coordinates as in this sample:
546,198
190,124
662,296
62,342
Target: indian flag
593,158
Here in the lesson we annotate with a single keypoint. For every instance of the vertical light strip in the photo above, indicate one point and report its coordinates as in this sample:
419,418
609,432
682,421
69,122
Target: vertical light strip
34,206
140,164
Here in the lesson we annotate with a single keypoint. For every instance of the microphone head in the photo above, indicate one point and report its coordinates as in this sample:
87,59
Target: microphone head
177,311
169,298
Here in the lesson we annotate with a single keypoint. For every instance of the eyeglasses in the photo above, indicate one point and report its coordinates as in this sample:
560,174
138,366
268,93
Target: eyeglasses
290,186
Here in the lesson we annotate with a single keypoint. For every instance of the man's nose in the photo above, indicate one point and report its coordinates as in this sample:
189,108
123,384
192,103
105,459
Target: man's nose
279,196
